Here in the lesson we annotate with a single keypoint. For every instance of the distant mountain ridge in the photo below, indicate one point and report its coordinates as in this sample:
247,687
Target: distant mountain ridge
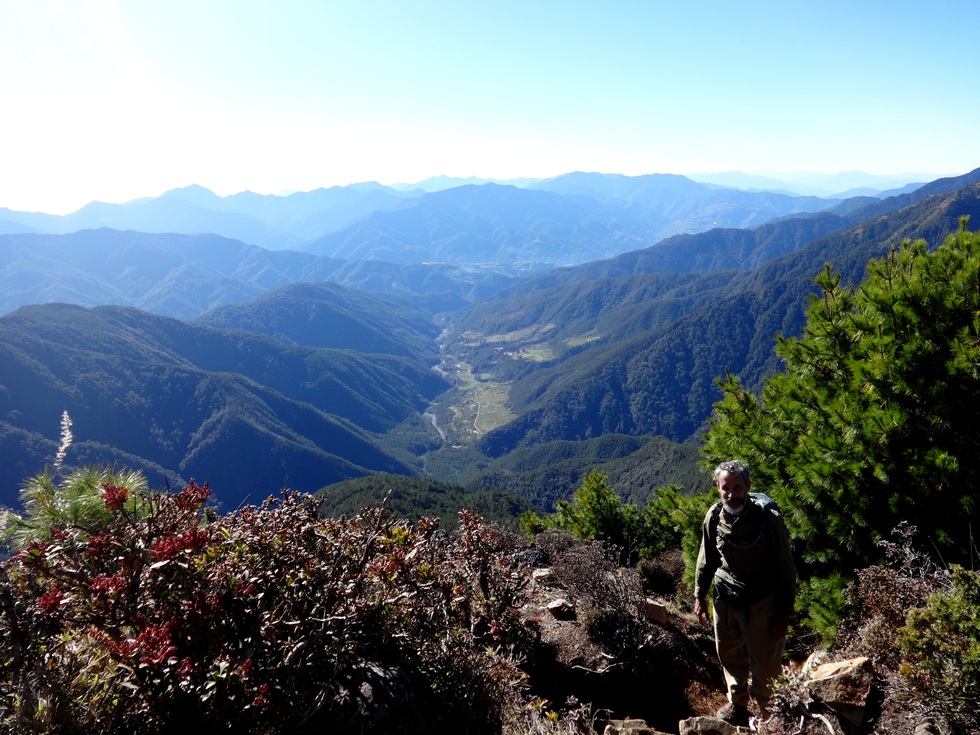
189,250
273,222
589,216
184,276
839,185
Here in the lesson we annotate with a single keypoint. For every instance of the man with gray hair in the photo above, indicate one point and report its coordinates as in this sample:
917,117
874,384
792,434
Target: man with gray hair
745,552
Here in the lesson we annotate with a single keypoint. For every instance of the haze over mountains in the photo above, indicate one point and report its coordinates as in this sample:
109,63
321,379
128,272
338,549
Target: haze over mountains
264,342
566,220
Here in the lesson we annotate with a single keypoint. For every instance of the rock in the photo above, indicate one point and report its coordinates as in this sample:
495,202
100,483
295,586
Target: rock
629,727
816,659
531,558
561,609
928,726
709,726
656,611
544,576
843,686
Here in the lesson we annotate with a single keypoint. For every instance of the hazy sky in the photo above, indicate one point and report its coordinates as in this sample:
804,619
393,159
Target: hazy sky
114,100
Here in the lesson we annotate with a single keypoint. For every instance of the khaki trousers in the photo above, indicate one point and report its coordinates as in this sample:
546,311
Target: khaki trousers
744,649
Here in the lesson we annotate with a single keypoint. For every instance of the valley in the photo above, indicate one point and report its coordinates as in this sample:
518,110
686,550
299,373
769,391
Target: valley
475,405
258,370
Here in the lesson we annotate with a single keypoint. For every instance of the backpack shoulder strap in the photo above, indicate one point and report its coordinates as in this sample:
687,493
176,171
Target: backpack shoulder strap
713,521
766,512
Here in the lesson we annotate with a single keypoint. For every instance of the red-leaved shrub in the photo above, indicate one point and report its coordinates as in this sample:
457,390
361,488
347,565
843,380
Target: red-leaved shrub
269,620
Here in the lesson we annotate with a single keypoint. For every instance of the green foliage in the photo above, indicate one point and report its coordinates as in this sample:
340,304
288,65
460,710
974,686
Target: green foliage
873,420
942,644
553,470
685,515
414,497
596,513
53,503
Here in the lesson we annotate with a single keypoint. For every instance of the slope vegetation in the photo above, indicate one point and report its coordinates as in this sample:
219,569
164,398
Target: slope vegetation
241,410
639,354
185,275
328,315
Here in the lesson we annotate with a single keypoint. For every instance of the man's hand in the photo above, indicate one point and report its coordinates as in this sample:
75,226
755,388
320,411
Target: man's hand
701,610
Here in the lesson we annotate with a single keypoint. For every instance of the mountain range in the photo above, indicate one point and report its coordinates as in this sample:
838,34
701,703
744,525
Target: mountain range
598,309
565,220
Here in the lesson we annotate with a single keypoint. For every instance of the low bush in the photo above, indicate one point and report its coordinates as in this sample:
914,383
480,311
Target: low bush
269,620
664,574
941,645
881,597
919,624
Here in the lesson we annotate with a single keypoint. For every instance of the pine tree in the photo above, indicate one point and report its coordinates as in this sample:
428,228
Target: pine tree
874,419
596,513
55,498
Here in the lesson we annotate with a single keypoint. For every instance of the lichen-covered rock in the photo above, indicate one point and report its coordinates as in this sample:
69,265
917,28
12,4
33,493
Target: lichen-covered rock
709,726
561,609
844,686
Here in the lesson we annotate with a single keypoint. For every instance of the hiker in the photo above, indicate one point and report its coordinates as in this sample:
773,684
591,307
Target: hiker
745,550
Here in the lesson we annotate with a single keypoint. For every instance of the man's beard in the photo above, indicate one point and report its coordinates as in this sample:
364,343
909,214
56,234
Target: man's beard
734,506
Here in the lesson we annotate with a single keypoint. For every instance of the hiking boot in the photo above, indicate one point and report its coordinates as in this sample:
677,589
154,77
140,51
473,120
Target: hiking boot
734,714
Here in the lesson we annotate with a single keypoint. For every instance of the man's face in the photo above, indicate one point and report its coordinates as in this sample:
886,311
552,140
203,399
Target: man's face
734,491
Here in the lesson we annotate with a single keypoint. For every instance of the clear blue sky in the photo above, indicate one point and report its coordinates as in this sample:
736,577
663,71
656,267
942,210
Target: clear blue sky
114,100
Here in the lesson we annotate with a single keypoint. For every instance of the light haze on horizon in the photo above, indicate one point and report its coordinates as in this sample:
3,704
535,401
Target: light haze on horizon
113,100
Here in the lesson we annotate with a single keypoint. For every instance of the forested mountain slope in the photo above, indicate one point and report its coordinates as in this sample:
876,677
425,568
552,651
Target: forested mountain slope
243,411
635,466
660,380
328,315
185,275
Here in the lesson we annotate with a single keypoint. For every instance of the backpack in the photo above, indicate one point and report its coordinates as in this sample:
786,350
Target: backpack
769,506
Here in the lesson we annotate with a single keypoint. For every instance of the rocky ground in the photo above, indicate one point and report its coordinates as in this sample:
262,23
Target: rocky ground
642,660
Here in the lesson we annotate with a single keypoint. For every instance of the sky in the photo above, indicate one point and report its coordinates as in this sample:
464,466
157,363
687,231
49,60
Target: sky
113,100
